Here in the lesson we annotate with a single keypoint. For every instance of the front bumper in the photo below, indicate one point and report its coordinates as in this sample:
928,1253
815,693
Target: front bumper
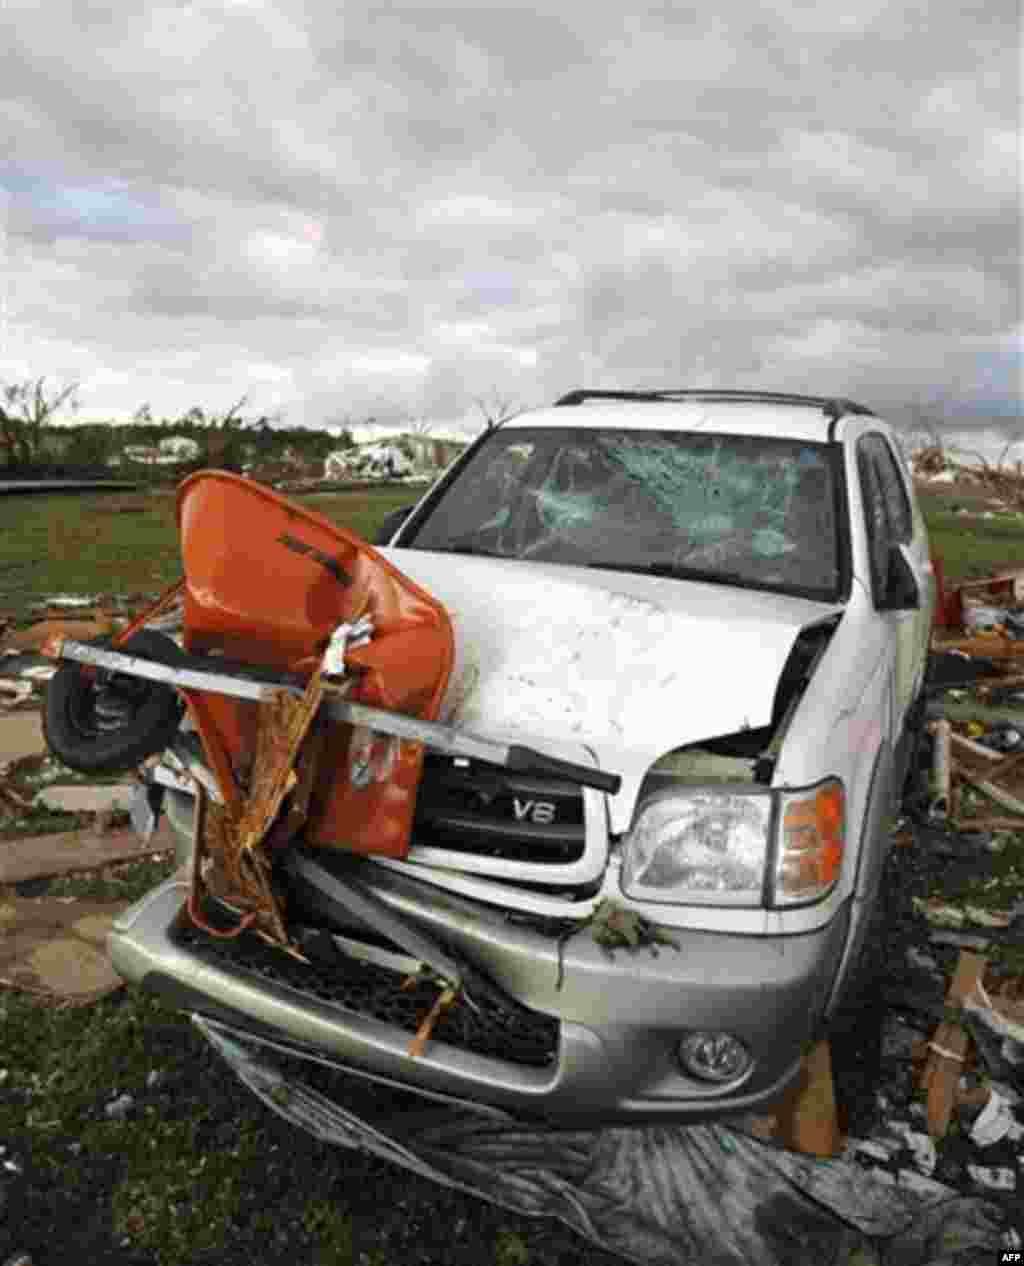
614,1021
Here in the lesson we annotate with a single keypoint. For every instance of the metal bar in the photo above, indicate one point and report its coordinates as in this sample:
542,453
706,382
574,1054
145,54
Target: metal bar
438,737
170,674
353,898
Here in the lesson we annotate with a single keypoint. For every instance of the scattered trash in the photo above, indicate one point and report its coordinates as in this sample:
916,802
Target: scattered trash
39,672
64,600
923,1148
988,918
939,802
938,913
1002,1015
14,692
153,1078
995,1122
1003,738
874,1148
1001,1179
984,617
119,1108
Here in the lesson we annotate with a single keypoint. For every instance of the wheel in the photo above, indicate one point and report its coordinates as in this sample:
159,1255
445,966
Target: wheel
114,721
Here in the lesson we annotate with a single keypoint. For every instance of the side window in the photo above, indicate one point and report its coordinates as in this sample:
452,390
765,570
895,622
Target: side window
897,505
876,519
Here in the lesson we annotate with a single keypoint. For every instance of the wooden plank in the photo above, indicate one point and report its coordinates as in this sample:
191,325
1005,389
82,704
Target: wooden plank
995,647
67,852
949,1047
806,1116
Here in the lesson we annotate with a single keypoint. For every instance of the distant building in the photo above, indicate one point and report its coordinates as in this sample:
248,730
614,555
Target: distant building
180,447
376,461
169,452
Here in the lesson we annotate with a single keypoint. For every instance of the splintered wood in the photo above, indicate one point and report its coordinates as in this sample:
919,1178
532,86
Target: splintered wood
947,1051
284,722
233,845
805,1118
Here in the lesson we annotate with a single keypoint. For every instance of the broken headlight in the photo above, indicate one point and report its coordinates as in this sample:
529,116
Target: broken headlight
702,845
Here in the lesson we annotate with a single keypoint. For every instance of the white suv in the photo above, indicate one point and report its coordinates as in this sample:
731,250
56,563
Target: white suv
723,597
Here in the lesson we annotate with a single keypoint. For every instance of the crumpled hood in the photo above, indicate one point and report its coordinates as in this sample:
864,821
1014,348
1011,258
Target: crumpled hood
627,666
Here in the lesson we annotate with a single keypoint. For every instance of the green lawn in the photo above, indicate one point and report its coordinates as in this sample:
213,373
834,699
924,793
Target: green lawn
971,546
125,544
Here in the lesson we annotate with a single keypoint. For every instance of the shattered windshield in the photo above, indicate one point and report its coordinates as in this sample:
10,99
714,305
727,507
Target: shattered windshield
751,510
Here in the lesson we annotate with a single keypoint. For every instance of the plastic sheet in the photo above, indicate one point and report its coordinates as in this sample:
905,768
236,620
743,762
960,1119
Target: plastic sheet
658,1196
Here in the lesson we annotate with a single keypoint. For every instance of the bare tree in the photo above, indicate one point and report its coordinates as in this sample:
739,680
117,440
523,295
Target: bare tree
27,409
420,426
496,408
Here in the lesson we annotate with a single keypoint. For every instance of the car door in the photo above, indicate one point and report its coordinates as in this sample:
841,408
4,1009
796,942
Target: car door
889,521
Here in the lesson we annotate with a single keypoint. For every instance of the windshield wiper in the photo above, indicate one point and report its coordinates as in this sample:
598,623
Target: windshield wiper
674,571
477,550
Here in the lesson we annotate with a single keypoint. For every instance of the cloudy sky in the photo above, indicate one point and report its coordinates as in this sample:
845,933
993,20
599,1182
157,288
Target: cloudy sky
348,211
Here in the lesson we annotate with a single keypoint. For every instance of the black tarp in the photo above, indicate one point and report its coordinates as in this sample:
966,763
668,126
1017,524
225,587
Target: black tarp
709,1195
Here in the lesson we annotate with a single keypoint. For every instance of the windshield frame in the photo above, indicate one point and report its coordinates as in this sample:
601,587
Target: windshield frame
832,452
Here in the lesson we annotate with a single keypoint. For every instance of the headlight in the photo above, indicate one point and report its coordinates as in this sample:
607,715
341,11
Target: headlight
710,846
812,837
705,846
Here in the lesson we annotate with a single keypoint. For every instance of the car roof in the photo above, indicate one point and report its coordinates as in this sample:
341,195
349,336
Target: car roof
769,417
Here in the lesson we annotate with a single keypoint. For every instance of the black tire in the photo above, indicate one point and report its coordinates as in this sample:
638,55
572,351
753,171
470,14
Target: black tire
113,723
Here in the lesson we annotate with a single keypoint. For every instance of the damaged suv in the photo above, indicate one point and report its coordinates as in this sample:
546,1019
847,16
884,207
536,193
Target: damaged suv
722,598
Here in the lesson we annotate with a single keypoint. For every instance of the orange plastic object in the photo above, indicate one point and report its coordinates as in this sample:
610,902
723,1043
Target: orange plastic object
266,582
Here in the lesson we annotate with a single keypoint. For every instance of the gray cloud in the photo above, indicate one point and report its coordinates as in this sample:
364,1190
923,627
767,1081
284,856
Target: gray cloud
336,209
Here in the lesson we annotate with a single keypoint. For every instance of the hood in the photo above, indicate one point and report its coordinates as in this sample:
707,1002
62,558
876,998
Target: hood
627,666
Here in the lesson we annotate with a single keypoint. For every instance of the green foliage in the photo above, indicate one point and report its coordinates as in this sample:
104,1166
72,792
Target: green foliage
510,1249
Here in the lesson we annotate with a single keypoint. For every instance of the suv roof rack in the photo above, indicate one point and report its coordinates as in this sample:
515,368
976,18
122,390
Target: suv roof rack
833,407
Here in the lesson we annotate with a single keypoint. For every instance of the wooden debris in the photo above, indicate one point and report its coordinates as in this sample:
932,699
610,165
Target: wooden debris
948,1048
441,1005
989,824
994,647
236,840
998,794
805,1118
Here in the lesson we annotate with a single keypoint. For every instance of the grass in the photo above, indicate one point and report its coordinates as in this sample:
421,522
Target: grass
128,544
972,547
199,1171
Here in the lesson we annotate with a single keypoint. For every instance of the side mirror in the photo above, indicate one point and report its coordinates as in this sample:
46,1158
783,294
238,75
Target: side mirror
901,589
391,524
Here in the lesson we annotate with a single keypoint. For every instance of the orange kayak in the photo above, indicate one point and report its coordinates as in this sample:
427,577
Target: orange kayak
266,583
